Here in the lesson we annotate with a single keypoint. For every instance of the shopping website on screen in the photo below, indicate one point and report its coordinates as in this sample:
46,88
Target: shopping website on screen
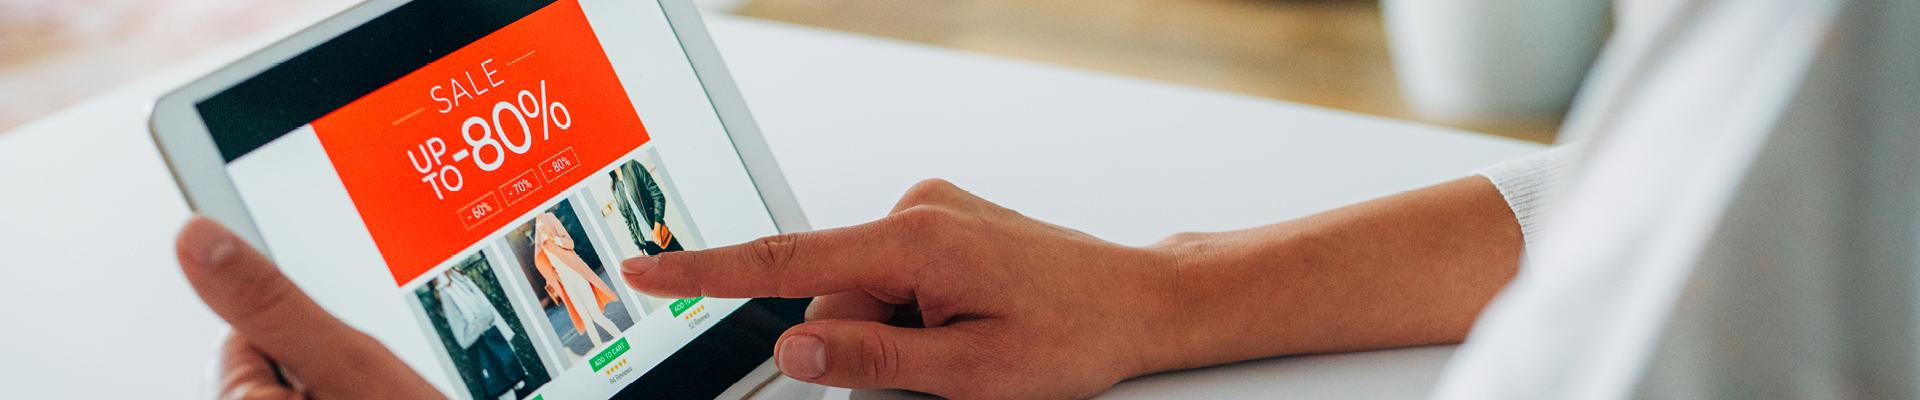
472,215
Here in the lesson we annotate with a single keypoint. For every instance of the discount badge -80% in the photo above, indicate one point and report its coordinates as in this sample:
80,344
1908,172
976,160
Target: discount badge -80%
505,131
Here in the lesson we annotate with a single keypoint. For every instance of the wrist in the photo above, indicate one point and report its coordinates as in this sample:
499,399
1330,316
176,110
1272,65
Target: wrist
1158,302
1222,291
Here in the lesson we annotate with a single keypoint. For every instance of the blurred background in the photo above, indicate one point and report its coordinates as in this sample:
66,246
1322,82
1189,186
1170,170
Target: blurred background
1419,60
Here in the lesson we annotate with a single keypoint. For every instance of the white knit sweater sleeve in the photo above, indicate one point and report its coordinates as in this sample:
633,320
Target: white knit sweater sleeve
1525,182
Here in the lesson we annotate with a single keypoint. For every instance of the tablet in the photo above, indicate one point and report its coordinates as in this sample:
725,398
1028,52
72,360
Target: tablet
461,179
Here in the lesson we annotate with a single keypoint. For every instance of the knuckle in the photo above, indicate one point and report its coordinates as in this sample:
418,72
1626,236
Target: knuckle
932,228
925,219
929,189
772,254
880,361
933,185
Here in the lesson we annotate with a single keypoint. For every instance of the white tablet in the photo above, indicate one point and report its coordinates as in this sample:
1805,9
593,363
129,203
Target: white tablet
460,179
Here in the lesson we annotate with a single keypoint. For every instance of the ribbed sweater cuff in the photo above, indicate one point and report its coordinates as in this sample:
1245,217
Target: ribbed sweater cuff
1525,183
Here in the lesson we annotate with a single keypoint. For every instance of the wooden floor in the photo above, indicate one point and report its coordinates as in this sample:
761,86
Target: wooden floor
1330,53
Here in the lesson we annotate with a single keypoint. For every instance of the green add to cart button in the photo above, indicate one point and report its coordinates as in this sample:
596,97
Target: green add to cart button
607,356
681,305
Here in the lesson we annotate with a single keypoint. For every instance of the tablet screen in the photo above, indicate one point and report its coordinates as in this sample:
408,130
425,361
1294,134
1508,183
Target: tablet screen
461,180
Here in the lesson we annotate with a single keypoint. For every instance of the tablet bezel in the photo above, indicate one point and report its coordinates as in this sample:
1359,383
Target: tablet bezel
188,147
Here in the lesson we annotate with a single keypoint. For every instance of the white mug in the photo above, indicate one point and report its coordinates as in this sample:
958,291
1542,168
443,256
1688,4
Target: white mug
1463,61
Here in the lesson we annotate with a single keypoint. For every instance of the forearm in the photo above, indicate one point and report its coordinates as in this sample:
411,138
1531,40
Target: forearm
1405,270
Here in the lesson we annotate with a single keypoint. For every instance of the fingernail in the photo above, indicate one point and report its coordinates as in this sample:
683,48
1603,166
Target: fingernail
639,265
803,357
206,246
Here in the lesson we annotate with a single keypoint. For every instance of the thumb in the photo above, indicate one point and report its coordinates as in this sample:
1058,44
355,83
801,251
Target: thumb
272,315
873,355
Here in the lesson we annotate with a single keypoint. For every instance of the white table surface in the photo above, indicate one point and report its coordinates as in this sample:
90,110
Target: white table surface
94,306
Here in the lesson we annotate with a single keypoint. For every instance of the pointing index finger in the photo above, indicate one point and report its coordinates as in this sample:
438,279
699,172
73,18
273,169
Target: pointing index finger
875,256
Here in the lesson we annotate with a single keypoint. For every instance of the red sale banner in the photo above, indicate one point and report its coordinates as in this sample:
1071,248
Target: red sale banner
444,156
